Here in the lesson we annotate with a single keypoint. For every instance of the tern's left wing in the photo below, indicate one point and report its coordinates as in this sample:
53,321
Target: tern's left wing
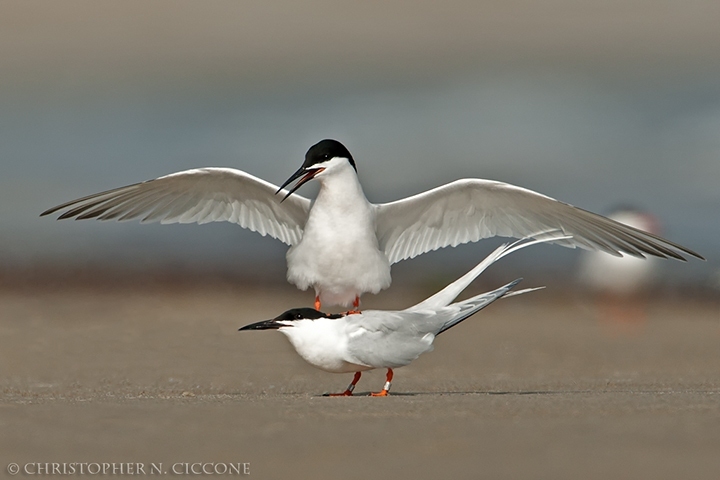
472,209
199,196
393,339
387,338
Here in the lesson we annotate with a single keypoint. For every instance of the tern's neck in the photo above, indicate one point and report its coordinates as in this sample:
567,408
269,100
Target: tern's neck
343,183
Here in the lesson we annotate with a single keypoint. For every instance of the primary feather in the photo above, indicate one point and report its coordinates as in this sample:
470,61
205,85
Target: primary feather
200,195
472,209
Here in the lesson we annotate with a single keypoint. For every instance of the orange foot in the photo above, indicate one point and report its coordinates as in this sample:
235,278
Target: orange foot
317,303
356,307
349,390
346,393
386,387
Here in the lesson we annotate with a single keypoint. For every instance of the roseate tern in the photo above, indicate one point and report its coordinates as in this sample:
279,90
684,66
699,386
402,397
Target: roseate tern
621,276
386,339
342,245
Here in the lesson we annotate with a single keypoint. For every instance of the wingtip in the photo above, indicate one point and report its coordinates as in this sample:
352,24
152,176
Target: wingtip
514,282
696,255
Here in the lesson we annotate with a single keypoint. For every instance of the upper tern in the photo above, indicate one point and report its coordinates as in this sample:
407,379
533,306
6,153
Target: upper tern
387,339
341,244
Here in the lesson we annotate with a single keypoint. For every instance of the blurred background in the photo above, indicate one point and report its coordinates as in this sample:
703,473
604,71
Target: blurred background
596,104
119,342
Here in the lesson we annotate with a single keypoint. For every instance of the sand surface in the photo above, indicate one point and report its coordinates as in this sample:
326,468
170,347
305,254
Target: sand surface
532,387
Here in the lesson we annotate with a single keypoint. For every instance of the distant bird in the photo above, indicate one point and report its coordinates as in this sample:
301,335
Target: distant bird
387,339
621,276
342,245
619,284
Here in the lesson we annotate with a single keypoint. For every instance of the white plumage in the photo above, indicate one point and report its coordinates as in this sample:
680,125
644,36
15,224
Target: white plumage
387,339
342,245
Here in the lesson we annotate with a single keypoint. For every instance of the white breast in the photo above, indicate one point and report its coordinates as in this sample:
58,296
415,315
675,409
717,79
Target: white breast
338,254
323,344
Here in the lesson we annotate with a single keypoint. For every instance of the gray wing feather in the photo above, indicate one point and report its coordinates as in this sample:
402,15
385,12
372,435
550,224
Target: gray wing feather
383,339
472,209
471,306
199,196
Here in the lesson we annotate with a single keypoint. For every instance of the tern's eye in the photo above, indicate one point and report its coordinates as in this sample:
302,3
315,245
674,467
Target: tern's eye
298,316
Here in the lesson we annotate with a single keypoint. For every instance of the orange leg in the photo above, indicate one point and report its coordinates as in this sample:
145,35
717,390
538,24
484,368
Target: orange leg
350,388
386,387
356,306
317,303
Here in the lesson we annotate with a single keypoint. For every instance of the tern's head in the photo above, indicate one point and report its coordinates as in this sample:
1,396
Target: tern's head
286,319
323,158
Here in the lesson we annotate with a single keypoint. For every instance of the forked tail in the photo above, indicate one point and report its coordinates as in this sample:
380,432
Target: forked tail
445,296
471,306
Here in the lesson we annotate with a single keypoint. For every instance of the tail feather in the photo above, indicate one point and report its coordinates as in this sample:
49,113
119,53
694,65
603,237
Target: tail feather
445,296
520,292
473,305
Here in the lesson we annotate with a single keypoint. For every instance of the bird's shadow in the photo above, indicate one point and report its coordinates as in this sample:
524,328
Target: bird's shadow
469,392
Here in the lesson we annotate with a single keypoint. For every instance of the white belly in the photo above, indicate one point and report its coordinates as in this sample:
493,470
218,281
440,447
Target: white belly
338,266
338,255
322,344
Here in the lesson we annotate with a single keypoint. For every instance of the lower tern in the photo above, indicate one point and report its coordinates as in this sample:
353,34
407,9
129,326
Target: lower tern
387,339
342,245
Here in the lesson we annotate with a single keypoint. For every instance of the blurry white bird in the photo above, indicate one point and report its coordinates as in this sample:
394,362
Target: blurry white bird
342,245
622,276
387,339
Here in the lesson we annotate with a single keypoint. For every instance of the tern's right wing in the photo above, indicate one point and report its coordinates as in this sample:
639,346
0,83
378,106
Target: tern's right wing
199,196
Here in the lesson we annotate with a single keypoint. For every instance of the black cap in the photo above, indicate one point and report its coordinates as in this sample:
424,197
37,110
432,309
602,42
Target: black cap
326,150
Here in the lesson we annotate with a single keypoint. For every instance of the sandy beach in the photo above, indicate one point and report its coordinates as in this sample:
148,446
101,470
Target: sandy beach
532,387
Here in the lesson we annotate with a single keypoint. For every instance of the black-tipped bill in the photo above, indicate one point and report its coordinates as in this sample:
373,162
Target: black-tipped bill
264,325
309,174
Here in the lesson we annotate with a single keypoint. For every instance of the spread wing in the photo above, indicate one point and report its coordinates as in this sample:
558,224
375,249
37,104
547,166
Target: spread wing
199,196
472,209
